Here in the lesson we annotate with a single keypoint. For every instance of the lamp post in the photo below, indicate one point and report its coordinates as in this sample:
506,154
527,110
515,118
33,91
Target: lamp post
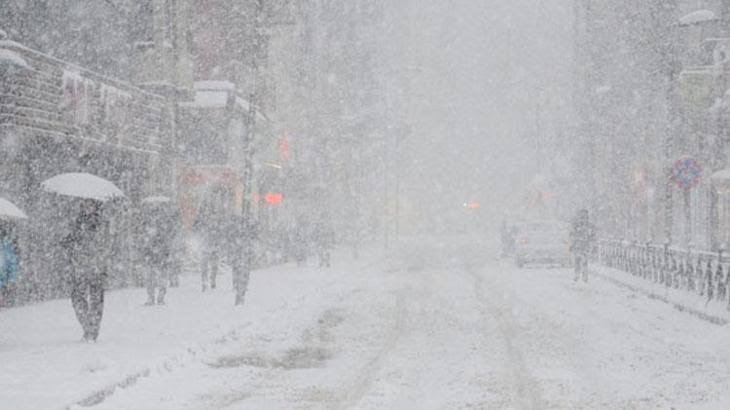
261,44
401,131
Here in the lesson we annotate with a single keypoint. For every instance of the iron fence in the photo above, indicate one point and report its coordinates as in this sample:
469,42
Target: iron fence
705,274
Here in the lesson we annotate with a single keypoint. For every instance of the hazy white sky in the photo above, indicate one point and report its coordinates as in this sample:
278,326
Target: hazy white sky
475,73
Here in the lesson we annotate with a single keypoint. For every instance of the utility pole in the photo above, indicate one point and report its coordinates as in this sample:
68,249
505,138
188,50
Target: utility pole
260,48
670,69
175,90
248,151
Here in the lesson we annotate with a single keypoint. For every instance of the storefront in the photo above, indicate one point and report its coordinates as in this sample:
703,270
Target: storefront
56,117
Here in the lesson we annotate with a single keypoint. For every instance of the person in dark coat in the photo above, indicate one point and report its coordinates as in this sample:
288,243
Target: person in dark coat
582,237
157,249
241,247
299,242
86,249
177,248
324,239
210,225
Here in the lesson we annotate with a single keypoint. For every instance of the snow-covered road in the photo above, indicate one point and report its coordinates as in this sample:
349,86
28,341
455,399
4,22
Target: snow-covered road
443,326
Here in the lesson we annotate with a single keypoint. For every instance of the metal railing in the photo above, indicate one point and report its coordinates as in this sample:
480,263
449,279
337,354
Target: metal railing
705,274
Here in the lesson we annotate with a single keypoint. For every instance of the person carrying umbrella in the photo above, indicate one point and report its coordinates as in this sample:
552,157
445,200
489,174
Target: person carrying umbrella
87,245
86,250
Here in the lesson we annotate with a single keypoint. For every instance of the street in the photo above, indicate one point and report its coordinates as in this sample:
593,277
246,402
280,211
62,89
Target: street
451,326
300,204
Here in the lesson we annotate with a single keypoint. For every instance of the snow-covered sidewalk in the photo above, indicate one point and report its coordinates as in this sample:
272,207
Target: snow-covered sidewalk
45,365
691,302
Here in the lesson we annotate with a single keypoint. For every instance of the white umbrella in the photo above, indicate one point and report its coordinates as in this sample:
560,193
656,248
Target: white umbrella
82,185
9,210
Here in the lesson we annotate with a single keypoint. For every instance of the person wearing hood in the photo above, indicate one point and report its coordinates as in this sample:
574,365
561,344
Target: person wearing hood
86,248
324,239
210,225
243,233
158,235
9,264
582,238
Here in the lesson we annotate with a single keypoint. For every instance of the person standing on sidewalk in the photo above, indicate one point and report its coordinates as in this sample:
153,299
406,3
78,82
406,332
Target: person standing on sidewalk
9,264
157,241
210,227
177,247
324,239
300,240
86,247
582,237
242,233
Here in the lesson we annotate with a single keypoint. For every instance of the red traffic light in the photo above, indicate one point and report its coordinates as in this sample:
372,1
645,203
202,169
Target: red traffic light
274,198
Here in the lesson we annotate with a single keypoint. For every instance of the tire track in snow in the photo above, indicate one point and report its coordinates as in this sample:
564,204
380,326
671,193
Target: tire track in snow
527,394
365,377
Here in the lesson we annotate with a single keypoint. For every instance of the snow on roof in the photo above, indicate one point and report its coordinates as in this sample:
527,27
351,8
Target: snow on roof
11,57
214,85
722,175
208,99
8,209
219,99
697,17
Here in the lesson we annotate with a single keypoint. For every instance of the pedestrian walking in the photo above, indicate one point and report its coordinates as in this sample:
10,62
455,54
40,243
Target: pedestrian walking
177,248
9,264
324,239
242,234
582,236
210,227
86,250
157,242
299,242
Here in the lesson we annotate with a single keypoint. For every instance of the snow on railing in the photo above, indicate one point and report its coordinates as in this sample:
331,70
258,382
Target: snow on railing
703,273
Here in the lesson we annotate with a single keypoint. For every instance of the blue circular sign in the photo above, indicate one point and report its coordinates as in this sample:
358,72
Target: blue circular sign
687,173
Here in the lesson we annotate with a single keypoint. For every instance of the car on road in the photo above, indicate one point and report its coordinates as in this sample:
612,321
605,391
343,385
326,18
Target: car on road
542,242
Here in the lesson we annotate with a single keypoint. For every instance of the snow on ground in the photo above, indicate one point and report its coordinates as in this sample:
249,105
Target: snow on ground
714,310
45,365
441,325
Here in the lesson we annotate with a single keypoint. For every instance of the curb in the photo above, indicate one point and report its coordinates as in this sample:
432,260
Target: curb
711,318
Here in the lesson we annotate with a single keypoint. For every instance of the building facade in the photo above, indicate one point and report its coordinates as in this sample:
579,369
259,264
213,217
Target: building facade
651,91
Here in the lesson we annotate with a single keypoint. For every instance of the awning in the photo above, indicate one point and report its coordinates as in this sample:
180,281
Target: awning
214,94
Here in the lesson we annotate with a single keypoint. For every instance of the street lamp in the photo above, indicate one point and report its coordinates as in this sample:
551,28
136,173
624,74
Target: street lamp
399,131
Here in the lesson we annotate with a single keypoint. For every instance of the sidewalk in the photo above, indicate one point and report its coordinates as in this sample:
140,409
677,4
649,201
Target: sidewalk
690,302
45,365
